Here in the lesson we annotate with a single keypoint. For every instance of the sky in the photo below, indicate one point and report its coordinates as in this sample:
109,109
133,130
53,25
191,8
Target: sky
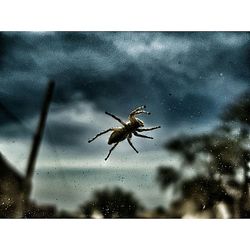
185,79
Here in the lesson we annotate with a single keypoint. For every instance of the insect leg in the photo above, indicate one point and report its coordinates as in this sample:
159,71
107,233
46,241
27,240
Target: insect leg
111,151
106,131
137,109
144,136
147,129
116,118
130,143
142,112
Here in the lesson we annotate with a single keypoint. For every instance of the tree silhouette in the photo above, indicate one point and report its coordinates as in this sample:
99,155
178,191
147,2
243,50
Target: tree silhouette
239,111
167,176
219,158
114,203
238,115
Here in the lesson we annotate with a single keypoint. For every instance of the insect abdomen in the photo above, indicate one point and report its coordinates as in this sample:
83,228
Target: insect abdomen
117,136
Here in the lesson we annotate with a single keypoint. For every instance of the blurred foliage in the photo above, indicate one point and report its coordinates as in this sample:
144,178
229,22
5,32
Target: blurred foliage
167,176
220,161
114,203
239,111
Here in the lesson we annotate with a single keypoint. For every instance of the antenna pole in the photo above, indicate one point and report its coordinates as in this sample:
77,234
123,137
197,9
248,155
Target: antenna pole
36,142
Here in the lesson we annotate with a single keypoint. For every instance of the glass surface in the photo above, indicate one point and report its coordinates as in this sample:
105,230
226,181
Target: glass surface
195,86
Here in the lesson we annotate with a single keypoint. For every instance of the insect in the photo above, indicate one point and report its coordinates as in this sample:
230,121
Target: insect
132,127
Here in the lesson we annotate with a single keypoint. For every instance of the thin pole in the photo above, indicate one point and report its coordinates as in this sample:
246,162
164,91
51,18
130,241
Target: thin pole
37,141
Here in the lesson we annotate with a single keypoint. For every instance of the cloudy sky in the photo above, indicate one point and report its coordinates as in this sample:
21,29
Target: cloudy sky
185,79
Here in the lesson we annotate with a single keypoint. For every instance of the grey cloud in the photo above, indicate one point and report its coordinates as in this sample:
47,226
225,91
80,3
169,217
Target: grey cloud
191,109
177,75
64,133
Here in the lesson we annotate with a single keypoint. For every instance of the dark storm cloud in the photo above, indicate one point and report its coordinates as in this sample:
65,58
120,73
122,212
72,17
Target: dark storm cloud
183,78
63,133
193,108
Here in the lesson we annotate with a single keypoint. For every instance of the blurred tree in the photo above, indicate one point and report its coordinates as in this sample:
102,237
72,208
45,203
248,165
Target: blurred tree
114,203
167,176
238,115
239,111
219,159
